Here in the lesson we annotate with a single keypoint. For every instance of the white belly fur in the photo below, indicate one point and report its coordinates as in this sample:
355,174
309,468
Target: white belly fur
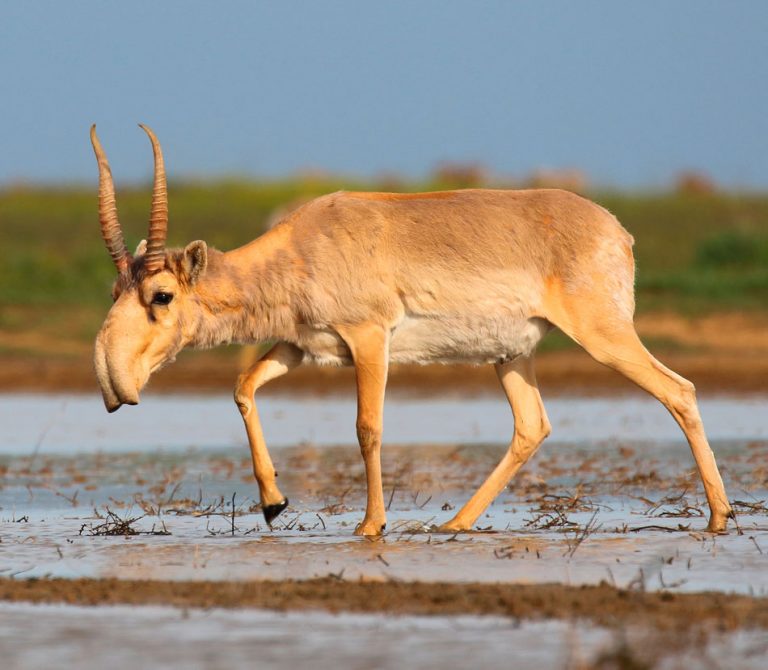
423,340
464,340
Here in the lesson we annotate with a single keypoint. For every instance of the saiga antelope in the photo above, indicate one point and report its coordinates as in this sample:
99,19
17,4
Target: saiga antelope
369,279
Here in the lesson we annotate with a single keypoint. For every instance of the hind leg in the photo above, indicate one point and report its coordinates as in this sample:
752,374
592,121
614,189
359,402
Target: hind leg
531,427
618,346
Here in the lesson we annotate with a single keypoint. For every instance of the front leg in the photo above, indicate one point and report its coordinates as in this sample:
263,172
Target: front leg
369,345
279,360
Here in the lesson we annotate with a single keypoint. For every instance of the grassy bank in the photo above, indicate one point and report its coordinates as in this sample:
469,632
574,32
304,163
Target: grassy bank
696,253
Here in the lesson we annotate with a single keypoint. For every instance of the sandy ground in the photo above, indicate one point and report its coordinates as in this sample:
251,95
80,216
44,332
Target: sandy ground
721,352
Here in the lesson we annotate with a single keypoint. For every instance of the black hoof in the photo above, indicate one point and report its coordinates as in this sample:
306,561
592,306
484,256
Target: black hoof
271,512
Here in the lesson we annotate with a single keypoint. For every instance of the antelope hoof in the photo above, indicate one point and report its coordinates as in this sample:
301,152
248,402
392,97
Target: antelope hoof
271,512
370,528
718,522
453,526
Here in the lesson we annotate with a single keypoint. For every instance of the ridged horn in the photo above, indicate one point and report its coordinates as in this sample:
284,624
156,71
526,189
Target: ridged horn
154,259
110,226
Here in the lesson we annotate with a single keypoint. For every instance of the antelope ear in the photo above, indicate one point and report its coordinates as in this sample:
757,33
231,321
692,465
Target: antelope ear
141,249
195,260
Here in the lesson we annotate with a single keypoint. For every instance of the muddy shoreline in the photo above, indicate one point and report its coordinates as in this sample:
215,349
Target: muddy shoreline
570,371
603,605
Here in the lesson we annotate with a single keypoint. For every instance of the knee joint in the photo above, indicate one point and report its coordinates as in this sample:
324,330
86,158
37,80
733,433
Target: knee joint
688,392
686,405
369,437
546,429
243,397
530,437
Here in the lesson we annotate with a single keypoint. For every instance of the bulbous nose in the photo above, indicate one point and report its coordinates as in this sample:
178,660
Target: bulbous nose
114,405
116,387
119,394
128,397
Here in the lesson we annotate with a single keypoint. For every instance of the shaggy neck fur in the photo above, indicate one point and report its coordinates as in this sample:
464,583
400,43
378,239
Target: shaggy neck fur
243,303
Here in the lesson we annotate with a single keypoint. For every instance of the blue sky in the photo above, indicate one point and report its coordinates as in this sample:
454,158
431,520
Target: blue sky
632,93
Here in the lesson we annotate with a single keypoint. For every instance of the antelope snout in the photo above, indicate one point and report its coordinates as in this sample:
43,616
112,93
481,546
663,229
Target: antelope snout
114,399
113,404
117,387
119,392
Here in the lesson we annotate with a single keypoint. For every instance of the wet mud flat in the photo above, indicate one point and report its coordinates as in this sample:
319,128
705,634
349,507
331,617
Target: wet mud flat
597,549
602,605
631,516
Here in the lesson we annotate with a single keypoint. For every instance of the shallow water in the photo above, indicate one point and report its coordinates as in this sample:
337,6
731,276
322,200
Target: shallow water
51,424
130,637
205,549
633,517
612,496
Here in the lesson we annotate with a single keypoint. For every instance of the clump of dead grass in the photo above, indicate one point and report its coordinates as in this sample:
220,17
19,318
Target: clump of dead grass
114,525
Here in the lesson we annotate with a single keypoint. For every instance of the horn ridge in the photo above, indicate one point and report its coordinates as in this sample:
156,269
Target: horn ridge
110,225
154,258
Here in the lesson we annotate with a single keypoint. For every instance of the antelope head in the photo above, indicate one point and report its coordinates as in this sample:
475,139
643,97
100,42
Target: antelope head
155,307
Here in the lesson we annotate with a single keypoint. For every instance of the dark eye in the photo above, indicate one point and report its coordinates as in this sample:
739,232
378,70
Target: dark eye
161,298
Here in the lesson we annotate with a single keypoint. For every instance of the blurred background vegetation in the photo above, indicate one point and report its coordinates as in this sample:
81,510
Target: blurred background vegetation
698,250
